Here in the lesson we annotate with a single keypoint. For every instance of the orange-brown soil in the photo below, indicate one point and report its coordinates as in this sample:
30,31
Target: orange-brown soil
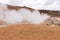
29,32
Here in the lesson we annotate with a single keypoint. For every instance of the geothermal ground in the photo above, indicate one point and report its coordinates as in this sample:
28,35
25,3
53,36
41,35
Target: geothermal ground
29,32
27,24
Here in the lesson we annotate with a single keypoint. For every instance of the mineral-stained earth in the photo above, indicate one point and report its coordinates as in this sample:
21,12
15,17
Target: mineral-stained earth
30,32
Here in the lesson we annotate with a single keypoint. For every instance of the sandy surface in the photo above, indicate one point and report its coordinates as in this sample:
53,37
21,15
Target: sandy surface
29,32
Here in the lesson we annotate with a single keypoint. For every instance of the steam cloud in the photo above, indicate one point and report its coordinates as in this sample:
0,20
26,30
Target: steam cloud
21,16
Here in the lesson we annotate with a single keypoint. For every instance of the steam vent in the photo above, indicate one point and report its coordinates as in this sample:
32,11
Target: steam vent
25,23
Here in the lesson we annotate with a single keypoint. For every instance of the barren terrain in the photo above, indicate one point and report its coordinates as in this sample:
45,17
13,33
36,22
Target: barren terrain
29,32
49,30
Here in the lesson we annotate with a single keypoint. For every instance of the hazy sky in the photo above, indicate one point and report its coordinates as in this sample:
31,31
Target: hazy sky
37,4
